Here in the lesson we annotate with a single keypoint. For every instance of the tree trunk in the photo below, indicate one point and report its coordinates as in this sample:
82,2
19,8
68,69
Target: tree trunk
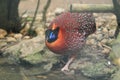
9,17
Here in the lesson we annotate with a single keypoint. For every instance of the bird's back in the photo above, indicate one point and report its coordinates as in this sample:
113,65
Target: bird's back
84,22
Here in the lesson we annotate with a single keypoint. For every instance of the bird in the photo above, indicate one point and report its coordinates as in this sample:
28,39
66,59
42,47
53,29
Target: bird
67,34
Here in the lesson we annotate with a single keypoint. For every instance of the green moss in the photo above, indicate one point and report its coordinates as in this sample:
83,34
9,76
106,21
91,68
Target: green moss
98,70
115,53
40,57
34,58
116,41
116,76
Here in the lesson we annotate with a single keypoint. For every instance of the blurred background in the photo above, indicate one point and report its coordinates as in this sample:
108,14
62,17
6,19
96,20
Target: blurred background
30,5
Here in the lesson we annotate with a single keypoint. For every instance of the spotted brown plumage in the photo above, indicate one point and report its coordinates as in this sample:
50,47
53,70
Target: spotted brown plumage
67,33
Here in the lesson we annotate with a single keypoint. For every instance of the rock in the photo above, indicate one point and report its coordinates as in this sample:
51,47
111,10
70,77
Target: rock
101,19
59,11
3,33
116,75
116,61
98,71
106,51
50,19
115,54
24,31
111,33
92,36
108,26
99,31
113,24
100,45
91,42
26,37
39,17
99,37
50,14
3,43
113,17
11,34
48,67
32,51
99,24
95,15
40,30
18,36
11,39
104,41
105,30
24,48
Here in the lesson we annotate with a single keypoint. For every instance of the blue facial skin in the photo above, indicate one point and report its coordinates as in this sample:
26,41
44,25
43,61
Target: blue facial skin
51,35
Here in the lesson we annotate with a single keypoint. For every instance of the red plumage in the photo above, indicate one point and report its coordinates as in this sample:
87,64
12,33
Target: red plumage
67,32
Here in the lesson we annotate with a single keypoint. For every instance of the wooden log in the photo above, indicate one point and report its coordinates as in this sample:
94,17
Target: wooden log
91,8
100,8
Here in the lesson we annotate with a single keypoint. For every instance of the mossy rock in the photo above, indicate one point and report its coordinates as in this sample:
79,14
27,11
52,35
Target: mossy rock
98,71
115,53
116,75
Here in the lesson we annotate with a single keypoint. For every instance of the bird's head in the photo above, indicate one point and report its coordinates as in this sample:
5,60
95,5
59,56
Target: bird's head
54,37
51,35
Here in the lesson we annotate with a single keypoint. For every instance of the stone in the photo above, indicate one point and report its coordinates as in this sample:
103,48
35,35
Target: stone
26,37
50,14
11,39
95,15
18,36
98,71
116,61
105,30
99,24
115,54
91,41
59,11
39,30
3,43
3,33
99,37
113,24
31,50
111,33
104,41
39,17
24,31
113,17
50,19
106,51
116,75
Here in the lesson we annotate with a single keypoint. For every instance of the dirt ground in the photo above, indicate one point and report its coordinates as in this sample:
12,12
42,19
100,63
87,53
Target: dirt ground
30,5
